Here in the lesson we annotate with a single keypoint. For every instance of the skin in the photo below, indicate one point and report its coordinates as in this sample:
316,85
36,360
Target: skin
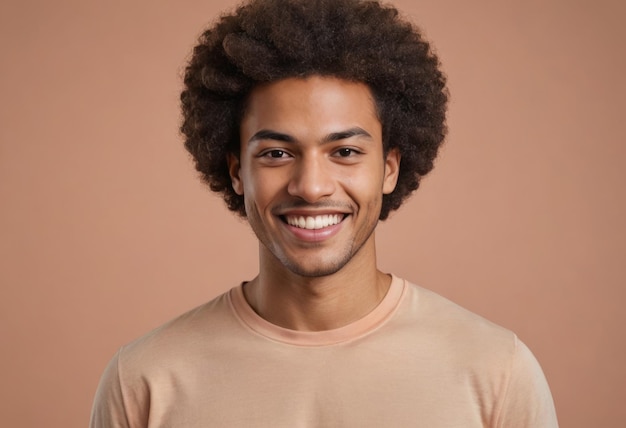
312,147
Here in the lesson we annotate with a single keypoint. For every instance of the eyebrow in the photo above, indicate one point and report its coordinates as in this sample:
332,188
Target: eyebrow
342,135
268,134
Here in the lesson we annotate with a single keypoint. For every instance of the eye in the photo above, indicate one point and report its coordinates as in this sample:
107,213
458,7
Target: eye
346,152
275,154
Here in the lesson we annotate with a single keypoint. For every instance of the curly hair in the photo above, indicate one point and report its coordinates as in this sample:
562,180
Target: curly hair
269,40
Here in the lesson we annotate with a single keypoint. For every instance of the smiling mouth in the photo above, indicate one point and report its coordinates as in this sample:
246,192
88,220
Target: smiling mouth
313,222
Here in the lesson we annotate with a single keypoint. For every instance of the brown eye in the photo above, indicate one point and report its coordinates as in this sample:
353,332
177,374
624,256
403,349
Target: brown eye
275,154
345,152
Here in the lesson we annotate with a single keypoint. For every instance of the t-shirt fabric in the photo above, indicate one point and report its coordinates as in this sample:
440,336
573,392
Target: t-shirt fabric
416,360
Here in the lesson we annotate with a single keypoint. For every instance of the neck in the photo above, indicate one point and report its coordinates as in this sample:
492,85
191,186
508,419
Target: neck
306,303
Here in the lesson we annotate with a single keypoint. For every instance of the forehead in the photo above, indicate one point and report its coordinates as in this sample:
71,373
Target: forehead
312,105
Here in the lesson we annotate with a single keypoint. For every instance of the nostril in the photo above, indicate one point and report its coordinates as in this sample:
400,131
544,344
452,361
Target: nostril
311,183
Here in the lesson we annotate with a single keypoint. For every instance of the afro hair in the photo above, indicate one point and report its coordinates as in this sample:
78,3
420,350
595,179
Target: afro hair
269,40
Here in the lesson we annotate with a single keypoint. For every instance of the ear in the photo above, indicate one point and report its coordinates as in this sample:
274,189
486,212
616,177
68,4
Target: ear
392,169
234,168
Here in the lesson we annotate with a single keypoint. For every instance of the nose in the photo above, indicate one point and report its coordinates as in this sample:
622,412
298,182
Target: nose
311,179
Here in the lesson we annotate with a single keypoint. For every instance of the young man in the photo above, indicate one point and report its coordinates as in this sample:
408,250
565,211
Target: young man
315,119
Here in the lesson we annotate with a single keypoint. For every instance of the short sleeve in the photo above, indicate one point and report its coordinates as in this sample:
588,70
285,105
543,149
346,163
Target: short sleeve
527,402
108,409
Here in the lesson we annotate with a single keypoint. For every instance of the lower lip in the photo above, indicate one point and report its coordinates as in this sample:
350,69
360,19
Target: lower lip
315,235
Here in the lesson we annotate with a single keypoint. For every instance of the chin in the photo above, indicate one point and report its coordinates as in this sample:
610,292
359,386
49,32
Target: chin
315,271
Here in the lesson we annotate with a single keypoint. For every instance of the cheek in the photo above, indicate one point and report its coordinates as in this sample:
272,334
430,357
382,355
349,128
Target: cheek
261,190
272,180
364,184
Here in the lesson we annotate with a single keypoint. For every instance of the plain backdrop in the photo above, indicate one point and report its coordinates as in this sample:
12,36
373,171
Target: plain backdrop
106,231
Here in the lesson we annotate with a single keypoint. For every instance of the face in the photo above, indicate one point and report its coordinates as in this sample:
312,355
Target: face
312,172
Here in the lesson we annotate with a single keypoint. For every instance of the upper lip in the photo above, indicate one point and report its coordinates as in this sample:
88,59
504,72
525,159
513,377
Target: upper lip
298,208
311,213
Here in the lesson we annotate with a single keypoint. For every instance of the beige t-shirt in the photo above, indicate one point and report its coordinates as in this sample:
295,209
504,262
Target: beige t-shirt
416,360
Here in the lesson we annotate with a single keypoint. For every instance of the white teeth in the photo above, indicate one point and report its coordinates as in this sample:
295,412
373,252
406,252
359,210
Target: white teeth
310,223
317,222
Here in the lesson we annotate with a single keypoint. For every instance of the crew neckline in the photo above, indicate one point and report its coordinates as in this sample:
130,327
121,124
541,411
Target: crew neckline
383,311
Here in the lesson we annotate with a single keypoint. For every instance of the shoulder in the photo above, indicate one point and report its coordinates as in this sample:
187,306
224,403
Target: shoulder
458,340
193,333
153,363
491,360
447,322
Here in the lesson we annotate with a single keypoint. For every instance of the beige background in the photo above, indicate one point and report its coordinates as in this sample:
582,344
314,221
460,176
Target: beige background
106,232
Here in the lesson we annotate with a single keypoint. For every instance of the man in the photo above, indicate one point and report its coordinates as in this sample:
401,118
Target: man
315,119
